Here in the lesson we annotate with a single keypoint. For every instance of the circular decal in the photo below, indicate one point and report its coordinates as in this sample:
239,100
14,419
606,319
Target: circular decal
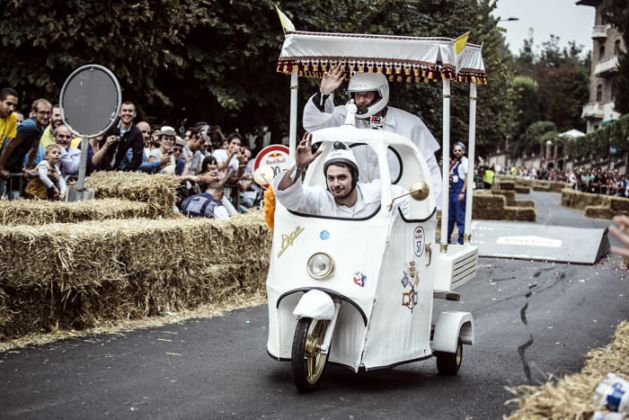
275,157
418,241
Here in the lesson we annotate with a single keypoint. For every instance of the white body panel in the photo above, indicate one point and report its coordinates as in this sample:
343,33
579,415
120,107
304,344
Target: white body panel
315,304
449,328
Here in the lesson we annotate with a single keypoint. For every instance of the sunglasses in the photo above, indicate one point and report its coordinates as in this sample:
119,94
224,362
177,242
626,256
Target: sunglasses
177,150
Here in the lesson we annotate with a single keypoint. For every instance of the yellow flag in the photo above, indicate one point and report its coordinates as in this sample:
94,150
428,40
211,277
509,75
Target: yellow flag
460,42
287,25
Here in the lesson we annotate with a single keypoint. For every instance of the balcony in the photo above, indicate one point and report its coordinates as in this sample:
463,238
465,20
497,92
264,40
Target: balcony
599,32
606,67
592,110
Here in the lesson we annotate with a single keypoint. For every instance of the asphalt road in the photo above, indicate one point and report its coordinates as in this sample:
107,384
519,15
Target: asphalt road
218,368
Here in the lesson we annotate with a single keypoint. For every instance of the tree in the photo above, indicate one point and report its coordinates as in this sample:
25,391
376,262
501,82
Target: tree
617,13
215,60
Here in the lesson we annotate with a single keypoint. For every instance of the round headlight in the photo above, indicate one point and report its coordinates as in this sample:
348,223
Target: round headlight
320,266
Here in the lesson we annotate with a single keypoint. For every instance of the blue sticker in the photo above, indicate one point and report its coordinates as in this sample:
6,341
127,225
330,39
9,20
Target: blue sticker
324,235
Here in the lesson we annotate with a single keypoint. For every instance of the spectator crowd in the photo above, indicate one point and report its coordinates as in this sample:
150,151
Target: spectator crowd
590,180
39,155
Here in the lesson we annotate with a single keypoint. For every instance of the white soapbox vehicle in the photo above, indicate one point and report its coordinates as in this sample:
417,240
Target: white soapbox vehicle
359,292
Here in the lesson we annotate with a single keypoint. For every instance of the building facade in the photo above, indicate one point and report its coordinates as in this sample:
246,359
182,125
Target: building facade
607,46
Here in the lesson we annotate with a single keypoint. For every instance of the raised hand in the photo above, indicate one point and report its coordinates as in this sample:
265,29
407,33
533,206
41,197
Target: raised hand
332,79
304,155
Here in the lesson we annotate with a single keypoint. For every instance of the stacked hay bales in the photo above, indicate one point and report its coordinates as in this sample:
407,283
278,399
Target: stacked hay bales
76,275
157,191
125,255
493,205
571,396
39,212
595,205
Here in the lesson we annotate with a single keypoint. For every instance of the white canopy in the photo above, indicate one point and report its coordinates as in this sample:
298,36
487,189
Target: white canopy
402,58
573,134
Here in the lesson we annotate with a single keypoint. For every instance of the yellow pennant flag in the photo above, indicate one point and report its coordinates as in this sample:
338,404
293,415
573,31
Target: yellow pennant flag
287,25
460,42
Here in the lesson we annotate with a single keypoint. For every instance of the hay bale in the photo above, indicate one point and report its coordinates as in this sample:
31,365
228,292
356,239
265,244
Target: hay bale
522,189
157,191
619,204
505,185
40,212
37,309
487,206
558,186
599,212
571,396
521,214
523,203
509,195
542,188
580,200
88,271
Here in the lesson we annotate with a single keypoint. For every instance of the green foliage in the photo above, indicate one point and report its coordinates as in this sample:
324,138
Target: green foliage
215,60
597,143
534,138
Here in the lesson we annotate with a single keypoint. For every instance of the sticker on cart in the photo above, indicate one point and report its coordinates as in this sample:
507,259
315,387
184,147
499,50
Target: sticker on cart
360,279
324,235
418,241
410,283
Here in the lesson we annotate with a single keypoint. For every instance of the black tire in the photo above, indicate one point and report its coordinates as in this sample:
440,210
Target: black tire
449,363
308,363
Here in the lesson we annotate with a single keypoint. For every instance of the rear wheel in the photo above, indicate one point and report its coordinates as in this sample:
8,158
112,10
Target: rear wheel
308,361
449,363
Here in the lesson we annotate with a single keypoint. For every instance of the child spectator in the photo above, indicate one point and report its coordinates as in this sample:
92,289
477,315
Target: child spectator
48,184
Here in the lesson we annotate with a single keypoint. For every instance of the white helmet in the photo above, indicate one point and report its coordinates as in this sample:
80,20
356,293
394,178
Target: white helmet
340,154
370,82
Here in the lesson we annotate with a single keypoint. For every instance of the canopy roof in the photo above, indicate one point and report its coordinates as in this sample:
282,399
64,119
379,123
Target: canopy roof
574,133
402,58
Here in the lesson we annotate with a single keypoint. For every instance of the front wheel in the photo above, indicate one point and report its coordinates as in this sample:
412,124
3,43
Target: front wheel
449,363
308,361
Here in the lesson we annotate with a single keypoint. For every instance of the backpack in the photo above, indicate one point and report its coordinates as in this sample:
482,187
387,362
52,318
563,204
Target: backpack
200,205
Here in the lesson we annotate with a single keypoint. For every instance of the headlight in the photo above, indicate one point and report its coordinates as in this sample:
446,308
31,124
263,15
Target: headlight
320,266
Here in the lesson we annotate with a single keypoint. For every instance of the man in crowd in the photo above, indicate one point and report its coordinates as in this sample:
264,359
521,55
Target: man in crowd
119,139
8,122
48,137
8,117
192,151
458,187
344,196
70,156
26,141
206,204
370,92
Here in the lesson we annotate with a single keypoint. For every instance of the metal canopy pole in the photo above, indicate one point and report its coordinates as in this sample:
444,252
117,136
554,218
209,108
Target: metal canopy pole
292,137
471,139
445,148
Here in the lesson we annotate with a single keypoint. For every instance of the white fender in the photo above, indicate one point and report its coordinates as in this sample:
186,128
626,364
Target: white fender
449,328
315,304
